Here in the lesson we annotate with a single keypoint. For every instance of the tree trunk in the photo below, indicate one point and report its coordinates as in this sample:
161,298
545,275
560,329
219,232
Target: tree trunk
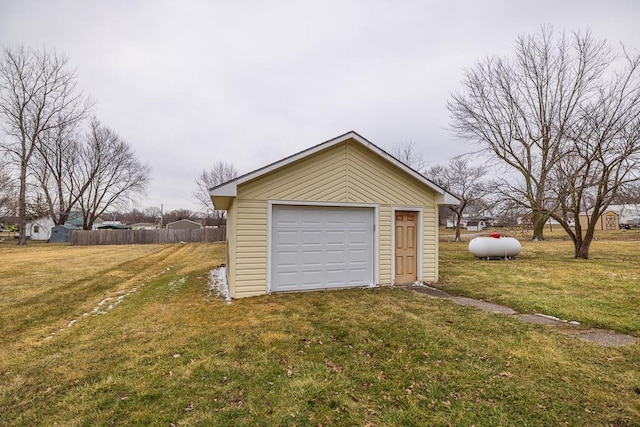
582,246
22,206
458,225
538,226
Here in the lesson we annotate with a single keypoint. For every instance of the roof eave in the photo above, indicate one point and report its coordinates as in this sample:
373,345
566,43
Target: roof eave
448,199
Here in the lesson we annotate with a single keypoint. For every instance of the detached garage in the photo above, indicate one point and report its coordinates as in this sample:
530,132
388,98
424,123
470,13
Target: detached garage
341,214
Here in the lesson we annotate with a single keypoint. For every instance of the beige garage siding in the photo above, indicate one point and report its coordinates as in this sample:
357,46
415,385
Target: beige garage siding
251,249
320,177
384,250
346,172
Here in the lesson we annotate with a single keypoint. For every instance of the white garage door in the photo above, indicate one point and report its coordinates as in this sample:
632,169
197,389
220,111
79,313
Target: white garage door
321,247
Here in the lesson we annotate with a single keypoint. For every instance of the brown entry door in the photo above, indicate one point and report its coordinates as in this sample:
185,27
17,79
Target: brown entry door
406,242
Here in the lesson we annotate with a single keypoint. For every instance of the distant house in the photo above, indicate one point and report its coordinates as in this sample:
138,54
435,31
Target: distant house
144,226
184,224
75,218
629,214
608,221
476,225
451,223
41,228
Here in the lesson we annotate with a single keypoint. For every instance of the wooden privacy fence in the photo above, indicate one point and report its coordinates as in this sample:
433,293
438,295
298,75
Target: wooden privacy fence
141,237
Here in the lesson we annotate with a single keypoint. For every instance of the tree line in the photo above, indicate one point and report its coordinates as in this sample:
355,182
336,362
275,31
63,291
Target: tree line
56,155
557,125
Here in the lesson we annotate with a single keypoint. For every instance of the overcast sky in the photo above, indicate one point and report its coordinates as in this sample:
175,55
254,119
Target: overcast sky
188,83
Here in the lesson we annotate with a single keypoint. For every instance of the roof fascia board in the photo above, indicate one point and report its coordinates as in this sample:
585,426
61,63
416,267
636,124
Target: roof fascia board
229,189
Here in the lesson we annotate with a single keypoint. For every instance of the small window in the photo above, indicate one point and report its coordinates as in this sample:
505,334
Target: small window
36,228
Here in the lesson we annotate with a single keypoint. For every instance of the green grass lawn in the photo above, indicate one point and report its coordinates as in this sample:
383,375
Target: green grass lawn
157,348
603,291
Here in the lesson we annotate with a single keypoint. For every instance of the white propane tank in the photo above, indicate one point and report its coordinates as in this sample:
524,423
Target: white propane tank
494,247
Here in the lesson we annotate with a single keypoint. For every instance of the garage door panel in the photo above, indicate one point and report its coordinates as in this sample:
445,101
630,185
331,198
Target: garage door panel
310,277
321,247
334,257
335,237
287,278
286,237
286,218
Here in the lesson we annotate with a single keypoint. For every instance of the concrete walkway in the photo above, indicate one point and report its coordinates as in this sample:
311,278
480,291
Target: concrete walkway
599,336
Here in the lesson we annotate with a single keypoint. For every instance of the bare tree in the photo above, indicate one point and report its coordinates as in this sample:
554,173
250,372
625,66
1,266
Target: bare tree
465,181
406,152
55,166
8,196
112,172
506,211
37,93
150,214
219,173
563,123
603,157
520,108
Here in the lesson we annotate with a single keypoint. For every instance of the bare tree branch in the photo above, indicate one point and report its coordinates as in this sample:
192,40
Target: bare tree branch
109,173
219,173
37,94
55,166
406,152
8,191
464,181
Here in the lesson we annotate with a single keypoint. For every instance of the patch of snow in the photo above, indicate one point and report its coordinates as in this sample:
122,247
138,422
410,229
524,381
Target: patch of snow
218,283
422,285
571,322
99,309
549,317
103,302
175,285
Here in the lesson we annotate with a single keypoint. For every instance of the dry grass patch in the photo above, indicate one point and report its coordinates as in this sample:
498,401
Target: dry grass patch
45,289
173,354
